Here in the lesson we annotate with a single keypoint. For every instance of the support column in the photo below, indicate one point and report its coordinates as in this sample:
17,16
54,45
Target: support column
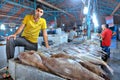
55,19
35,4
88,19
88,26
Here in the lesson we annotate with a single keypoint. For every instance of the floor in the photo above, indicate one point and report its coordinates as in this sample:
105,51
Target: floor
114,61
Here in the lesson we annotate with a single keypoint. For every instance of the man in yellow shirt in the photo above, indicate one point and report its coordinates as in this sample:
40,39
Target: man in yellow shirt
31,26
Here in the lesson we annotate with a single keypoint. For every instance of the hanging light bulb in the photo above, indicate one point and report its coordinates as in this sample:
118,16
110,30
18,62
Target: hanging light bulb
2,27
95,21
85,11
16,27
11,29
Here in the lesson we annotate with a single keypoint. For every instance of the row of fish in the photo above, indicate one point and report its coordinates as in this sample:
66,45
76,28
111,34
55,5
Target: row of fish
70,61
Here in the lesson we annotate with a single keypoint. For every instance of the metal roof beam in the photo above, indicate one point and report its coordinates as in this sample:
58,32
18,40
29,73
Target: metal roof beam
106,3
74,8
117,7
19,4
10,16
106,8
22,15
54,7
60,11
104,12
2,3
12,12
9,21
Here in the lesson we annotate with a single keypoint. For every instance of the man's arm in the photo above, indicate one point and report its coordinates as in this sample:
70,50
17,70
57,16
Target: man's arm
114,33
102,35
45,38
19,29
17,32
75,36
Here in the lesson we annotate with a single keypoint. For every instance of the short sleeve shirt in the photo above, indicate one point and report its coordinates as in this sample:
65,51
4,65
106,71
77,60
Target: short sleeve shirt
32,28
72,34
107,35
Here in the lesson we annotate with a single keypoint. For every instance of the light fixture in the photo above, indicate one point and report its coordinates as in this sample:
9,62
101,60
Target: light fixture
51,26
85,11
95,21
16,27
63,24
2,27
11,29
12,25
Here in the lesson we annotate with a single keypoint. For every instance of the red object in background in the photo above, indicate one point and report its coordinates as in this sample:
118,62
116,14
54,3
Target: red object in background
109,21
107,35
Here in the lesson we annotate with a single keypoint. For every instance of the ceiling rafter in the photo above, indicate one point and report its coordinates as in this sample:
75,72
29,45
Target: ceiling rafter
54,7
116,8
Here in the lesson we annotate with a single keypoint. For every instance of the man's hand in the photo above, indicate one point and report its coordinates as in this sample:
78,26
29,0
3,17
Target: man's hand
114,33
98,34
48,46
11,36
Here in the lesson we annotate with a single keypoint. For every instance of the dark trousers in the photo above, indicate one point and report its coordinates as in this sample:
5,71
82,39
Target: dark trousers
107,50
69,40
19,41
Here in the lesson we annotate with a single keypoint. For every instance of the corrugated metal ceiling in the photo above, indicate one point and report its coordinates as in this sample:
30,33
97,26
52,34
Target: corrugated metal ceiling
14,10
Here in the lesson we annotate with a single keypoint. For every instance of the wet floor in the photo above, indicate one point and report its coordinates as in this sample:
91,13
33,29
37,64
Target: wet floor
115,59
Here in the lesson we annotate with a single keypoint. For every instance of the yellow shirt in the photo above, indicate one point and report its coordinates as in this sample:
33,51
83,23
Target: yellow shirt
32,28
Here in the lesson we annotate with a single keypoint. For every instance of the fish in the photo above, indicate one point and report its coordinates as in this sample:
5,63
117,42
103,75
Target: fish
95,69
69,51
95,60
75,49
61,55
92,67
33,59
68,68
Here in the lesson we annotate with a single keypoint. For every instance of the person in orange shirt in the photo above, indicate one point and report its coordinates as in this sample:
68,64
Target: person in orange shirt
31,26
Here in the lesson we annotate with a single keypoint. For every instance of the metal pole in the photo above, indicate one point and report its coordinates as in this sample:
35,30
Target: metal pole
88,20
55,19
35,4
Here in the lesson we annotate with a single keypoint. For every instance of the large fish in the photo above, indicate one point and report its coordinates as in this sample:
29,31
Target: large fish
95,60
75,49
61,55
94,68
33,59
90,58
68,68
69,51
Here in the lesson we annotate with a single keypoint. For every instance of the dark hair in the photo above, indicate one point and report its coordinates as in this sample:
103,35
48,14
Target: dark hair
107,25
74,28
39,6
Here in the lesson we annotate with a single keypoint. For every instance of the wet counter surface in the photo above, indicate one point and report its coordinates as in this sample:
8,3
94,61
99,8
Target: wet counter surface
114,61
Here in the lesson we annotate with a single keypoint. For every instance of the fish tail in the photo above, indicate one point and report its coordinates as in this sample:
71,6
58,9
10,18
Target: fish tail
107,69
